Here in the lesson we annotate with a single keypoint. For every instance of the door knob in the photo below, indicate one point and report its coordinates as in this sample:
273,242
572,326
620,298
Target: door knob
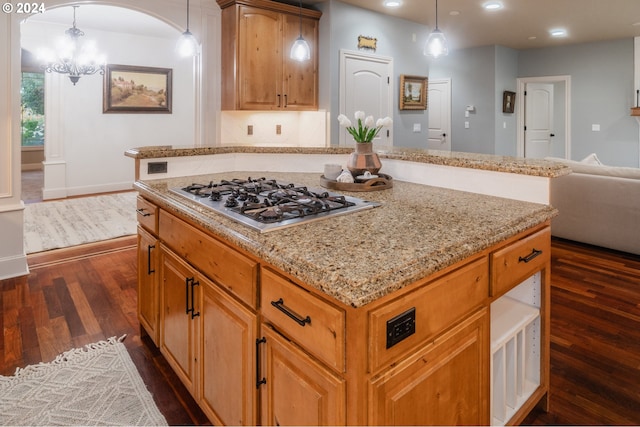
552,135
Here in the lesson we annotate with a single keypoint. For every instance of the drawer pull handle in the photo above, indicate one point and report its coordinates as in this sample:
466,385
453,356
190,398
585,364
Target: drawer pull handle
534,253
142,212
280,306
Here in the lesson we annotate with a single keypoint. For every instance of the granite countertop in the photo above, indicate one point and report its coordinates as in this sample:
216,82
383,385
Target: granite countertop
362,256
522,166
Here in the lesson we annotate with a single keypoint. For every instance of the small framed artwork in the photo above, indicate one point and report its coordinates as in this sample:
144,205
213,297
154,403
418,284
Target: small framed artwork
133,89
413,92
508,101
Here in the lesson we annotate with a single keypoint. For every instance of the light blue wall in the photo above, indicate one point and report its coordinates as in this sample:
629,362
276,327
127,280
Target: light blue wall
602,93
473,82
506,66
340,26
602,85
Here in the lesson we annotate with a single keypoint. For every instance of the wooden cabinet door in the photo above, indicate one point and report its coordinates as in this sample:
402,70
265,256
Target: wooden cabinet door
300,79
298,390
228,359
447,379
178,326
260,59
148,292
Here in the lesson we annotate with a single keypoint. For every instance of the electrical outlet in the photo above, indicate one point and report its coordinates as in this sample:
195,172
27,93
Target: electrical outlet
156,167
401,327
250,130
278,129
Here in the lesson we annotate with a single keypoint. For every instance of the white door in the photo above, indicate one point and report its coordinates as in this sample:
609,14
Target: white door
538,120
365,85
439,108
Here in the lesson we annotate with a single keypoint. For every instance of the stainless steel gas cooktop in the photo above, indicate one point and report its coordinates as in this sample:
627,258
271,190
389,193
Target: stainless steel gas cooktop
268,204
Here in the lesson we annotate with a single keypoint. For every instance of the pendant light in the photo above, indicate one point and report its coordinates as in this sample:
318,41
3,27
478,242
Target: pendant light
300,51
436,45
187,44
73,56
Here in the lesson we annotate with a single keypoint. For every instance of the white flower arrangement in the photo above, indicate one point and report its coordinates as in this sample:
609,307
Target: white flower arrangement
370,130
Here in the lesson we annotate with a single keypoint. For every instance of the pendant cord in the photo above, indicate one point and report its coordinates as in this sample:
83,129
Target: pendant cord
436,14
187,15
300,12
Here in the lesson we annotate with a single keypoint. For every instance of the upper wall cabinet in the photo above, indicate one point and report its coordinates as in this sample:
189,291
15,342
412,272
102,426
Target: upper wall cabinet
257,73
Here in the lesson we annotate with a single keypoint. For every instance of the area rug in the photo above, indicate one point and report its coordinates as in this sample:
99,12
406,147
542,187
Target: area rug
93,386
71,222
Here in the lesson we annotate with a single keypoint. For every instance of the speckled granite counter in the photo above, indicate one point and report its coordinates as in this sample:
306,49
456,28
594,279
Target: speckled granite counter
359,257
534,167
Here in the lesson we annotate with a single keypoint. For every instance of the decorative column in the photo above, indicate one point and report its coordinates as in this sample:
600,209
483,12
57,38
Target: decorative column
55,164
13,261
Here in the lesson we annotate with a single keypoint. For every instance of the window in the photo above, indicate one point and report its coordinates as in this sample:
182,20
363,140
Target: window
32,103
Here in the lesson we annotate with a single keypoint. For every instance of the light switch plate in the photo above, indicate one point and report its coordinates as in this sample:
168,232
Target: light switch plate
417,127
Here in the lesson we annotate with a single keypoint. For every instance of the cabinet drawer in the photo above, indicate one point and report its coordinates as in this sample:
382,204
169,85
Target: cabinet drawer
516,262
147,214
437,306
310,322
222,264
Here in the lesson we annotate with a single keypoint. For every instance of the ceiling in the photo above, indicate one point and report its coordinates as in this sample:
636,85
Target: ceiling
521,24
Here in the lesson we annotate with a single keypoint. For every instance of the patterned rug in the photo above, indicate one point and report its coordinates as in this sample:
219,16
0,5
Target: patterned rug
71,222
91,386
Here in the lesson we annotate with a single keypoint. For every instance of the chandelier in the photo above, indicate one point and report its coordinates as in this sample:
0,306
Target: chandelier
74,56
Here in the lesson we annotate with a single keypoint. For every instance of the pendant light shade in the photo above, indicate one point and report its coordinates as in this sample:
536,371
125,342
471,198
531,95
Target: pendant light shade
436,45
187,44
300,51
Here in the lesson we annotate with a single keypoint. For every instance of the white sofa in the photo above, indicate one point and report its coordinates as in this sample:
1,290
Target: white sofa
598,205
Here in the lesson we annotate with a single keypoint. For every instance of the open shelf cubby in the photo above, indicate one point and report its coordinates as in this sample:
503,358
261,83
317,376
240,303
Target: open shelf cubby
515,350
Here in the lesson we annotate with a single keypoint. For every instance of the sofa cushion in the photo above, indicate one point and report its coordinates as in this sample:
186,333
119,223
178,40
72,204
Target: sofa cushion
594,169
591,159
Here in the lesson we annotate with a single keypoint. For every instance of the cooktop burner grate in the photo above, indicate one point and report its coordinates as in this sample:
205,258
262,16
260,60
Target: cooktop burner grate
267,204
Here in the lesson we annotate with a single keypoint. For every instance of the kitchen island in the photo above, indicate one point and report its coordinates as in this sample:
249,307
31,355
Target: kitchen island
429,309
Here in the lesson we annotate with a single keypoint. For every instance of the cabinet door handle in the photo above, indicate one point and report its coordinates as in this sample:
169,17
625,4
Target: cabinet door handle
187,282
299,320
149,270
259,380
286,100
534,253
278,100
192,310
142,212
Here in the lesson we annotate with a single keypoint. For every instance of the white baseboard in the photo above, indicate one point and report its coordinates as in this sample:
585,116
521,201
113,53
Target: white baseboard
62,193
15,266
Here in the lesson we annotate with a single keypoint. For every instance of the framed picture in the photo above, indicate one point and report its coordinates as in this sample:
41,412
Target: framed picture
413,92
132,89
508,101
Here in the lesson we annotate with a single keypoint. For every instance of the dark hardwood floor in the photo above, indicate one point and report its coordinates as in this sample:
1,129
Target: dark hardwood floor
80,295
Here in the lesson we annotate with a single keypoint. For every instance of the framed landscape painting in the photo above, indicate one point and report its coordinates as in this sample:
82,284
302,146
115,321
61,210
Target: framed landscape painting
413,92
132,89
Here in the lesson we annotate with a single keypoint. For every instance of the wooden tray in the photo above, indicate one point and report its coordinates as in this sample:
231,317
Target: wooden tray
382,182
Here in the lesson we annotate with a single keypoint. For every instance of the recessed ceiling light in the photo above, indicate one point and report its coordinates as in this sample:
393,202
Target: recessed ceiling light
636,24
454,13
392,3
532,37
493,5
559,32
